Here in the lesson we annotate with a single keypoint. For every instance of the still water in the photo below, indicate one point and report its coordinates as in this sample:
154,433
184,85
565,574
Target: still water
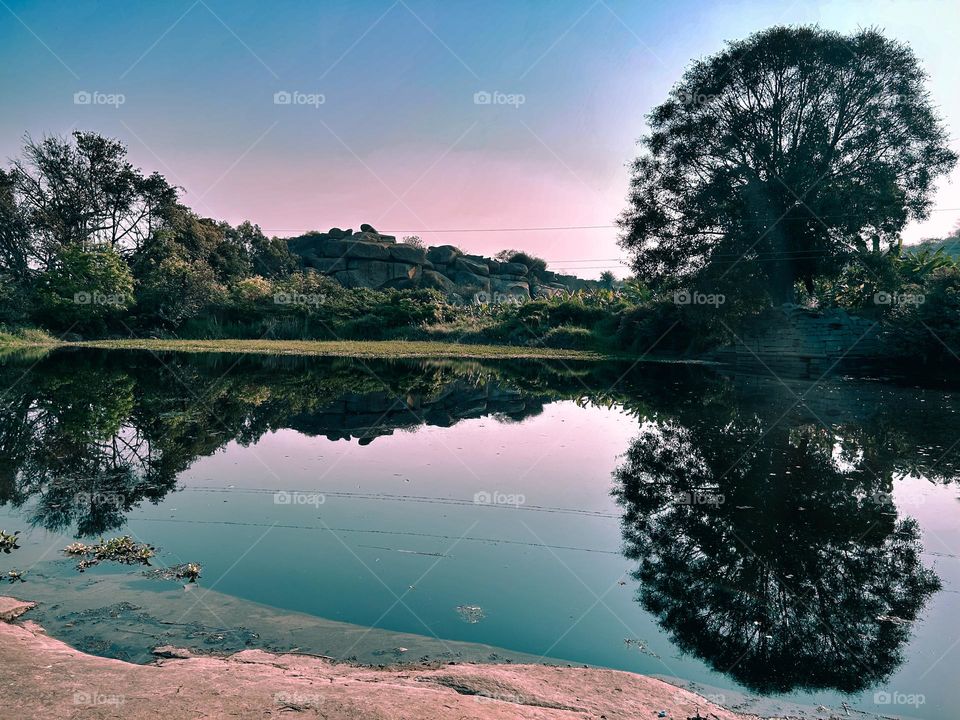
744,535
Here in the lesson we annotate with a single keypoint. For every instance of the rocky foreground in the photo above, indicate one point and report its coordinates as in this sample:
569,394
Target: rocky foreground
41,678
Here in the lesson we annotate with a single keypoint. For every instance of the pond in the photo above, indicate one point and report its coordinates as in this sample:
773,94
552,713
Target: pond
769,542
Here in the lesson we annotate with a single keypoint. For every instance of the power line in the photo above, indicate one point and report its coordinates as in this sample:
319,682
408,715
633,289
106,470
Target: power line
610,227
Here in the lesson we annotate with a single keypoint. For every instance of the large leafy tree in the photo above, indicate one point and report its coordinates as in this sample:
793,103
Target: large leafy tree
84,192
780,157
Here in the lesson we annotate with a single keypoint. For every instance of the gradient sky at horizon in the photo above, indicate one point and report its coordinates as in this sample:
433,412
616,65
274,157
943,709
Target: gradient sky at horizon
399,141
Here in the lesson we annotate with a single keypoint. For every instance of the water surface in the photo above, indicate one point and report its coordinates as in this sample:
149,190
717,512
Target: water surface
788,540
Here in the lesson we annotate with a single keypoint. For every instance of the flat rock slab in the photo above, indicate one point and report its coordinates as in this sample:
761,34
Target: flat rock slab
11,608
43,679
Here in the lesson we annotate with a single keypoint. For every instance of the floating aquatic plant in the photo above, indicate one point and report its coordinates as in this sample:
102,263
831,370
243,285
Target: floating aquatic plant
187,571
119,549
471,613
8,542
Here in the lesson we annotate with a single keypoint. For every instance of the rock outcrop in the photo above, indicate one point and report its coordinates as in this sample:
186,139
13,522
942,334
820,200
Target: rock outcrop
44,679
369,259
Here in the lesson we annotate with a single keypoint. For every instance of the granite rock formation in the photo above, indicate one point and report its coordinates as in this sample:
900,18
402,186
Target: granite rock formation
369,259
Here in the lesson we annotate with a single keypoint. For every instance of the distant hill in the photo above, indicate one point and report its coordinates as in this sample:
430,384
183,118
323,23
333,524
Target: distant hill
950,246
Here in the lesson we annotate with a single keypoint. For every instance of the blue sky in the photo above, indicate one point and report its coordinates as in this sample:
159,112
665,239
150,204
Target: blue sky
398,139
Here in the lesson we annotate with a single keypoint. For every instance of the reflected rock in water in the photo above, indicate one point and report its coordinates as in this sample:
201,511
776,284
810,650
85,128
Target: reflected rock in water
85,437
772,554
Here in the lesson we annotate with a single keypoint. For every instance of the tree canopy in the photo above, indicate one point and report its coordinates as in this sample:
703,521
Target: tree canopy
780,157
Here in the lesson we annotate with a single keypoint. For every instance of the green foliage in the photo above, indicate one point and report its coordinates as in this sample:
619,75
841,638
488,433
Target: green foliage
124,550
175,289
534,264
918,265
8,541
950,246
83,290
569,337
928,327
755,161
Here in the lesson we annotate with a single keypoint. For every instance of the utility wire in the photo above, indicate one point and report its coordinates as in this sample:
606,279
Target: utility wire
772,221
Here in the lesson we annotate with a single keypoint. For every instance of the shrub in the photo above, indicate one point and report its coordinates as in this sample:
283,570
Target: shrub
569,338
83,290
929,329
534,264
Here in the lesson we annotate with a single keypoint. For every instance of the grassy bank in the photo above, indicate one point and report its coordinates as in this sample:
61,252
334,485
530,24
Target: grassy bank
331,348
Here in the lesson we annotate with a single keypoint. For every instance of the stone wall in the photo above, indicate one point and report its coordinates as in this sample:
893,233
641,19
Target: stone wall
372,260
800,340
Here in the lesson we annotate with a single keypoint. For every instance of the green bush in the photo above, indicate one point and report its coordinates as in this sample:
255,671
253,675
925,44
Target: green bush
924,323
569,338
83,291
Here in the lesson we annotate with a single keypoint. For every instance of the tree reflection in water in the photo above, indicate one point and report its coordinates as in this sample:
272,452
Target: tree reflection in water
774,554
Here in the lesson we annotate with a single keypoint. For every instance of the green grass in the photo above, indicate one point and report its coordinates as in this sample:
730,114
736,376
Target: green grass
25,337
343,348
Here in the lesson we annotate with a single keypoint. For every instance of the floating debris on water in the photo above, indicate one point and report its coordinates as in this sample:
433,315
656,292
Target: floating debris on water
641,646
119,549
471,613
14,576
187,571
8,542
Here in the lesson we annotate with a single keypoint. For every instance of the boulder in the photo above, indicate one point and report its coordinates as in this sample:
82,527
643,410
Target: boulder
510,287
350,249
336,233
325,265
443,254
473,265
367,227
432,280
468,283
513,269
408,253
364,236
375,273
